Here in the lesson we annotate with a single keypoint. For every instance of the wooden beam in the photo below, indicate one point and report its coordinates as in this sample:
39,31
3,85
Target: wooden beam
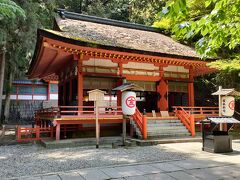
80,81
141,77
123,56
45,72
120,66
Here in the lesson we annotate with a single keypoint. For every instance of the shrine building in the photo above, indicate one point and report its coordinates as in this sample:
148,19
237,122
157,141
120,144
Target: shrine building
84,53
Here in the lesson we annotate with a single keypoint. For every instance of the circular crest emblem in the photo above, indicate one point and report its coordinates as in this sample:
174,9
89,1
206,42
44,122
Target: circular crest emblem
131,102
231,105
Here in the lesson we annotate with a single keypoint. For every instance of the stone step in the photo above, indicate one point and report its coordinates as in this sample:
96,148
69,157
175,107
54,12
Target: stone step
168,136
165,125
151,136
164,132
165,128
163,121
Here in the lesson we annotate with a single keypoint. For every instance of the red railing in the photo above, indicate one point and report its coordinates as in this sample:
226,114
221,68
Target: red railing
78,111
188,115
89,111
141,122
199,112
33,134
187,119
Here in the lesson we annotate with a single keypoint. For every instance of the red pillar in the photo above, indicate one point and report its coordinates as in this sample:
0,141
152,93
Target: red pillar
119,83
190,94
162,89
191,88
80,81
48,91
119,94
70,90
59,94
144,120
64,93
58,132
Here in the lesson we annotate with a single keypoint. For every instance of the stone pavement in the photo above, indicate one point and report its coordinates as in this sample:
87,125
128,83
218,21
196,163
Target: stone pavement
199,165
180,170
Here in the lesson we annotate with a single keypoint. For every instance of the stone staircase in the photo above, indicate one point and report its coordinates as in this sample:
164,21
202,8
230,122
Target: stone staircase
157,129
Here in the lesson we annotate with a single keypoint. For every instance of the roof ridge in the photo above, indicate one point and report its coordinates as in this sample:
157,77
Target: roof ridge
83,17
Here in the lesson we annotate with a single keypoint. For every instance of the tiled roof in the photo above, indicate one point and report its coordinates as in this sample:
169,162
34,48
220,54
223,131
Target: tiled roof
227,92
122,37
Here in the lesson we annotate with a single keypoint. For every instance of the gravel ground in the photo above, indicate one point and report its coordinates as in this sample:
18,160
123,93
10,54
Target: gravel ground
23,160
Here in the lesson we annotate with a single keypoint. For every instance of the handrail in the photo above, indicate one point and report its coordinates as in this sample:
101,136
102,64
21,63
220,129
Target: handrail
187,119
77,111
205,111
33,133
141,122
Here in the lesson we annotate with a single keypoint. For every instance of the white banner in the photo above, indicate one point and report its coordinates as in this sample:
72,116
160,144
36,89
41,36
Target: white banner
228,105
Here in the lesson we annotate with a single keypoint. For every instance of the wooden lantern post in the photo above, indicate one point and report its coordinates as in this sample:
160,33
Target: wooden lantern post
96,95
128,102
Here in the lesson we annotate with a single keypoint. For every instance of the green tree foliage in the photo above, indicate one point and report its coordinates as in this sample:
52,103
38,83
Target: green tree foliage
9,13
19,36
118,9
126,10
212,25
9,10
143,11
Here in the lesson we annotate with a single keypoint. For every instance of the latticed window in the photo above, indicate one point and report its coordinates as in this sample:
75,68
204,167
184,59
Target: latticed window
24,90
53,88
40,90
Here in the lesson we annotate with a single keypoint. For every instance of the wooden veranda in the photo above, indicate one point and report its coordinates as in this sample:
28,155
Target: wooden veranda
52,121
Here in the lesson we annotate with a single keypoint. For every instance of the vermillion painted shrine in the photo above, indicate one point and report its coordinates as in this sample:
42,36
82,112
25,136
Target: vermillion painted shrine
85,53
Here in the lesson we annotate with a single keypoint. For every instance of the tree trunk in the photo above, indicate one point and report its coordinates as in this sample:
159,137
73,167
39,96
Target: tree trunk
7,99
2,70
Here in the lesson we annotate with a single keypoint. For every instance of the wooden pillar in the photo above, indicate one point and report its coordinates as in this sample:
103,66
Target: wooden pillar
64,93
144,120
119,94
70,90
124,131
162,89
191,88
65,131
190,94
59,94
131,130
48,91
80,81
58,127
51,131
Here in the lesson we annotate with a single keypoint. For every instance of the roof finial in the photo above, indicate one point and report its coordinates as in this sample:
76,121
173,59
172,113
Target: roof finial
61,12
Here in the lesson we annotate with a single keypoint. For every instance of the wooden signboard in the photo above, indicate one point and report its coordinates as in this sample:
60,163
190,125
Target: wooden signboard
96,95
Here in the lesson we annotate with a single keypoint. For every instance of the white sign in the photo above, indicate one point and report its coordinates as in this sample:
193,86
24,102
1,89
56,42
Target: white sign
228,105
128,102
